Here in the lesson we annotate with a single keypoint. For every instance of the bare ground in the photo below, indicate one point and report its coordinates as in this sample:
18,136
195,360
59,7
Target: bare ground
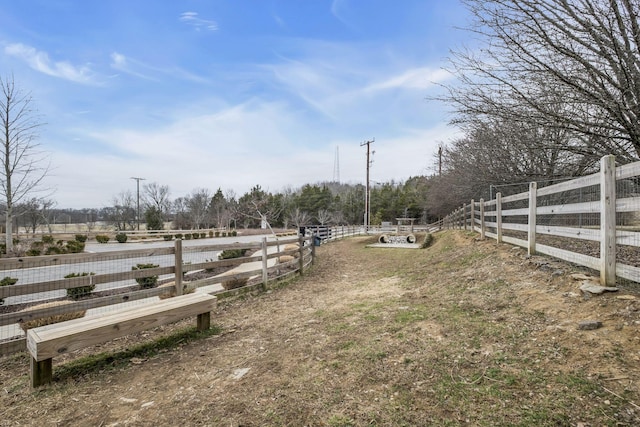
466,332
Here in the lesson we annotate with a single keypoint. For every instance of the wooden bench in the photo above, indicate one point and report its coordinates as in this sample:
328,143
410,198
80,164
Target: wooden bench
45,342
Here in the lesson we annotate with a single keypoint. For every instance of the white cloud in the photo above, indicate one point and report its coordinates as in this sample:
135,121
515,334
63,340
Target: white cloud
192,18
416,78
40,61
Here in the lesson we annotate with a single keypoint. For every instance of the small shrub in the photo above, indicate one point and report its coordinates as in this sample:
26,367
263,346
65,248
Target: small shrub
53,318
179,236
149,281
101,238
232,253
81,238
48,239
7,281
188,236
53,250
60,242
37,245
428,240
121,237
34,252
224,234
196,235
210,233
203,235
167,237
234,233
234,283
79,291
75,247
217,234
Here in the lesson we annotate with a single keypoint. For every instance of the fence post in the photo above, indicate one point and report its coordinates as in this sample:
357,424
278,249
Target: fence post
531,238
178,266
265,272
499,217
472,212
464,209
481,218
301,257
608,220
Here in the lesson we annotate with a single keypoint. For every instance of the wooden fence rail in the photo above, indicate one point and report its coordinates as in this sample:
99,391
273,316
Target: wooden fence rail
558,211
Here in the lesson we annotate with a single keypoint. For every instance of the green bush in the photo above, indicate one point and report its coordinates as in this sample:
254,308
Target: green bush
167,237
149,281
101,238
217,234
232,253
79,291
34,252
235,283
48,239
224,234
7,281
81,238
75,247
428,240
234,233
196,235
203,235
210,233
53,250
179,236
121,237
188,236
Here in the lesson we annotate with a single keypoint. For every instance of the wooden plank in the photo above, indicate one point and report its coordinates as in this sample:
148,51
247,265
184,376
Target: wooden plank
514,226
221,247
572,232
571,208
514,241
574,184
48,341
628,272
516,197
531,232
630,170
49,260
628,204
13,346
585,260
499,218
515,212
33,288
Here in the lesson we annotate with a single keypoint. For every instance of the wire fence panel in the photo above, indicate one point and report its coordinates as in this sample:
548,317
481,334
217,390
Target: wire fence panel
570,220
40,290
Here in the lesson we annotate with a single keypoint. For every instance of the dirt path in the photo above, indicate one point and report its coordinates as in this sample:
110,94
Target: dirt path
462,333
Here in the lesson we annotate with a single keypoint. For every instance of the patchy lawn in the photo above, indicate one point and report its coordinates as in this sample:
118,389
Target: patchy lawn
465,332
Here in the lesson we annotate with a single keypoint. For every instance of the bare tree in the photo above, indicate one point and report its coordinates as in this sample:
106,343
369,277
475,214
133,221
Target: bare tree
23,166
197,203
324,216
157,196
569,65
299,218
123,213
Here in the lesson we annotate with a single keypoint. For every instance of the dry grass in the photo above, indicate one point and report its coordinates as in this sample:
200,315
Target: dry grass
465,332
51,319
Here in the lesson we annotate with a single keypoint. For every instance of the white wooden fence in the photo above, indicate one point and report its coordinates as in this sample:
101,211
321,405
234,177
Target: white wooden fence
592,221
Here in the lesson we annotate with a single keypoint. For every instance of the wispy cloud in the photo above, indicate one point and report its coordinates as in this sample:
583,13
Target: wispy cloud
121,63
416,78
40,61
192,18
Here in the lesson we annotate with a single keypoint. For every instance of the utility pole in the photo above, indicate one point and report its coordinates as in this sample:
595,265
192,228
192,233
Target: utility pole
440,160
138,199
367,212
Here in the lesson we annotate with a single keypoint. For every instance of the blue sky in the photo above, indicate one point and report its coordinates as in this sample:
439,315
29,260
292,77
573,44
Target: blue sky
230,94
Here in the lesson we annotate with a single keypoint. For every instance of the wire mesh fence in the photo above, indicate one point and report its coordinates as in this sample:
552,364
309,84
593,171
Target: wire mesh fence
592,221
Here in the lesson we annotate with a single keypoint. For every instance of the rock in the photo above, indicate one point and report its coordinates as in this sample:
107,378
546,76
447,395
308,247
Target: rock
595,288
580,276
589,325
626,297
239,373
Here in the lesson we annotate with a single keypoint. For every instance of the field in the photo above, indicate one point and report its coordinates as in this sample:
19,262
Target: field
465,332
